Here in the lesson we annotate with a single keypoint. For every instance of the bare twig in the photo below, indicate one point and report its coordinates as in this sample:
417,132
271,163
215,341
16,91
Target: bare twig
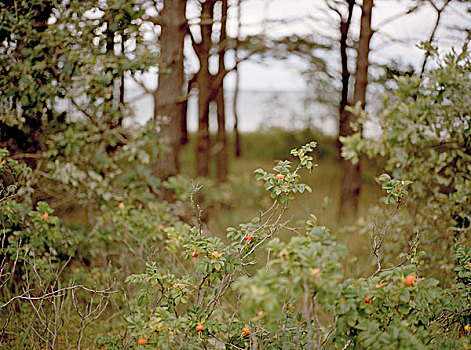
196,208
56,293
379,237
432,35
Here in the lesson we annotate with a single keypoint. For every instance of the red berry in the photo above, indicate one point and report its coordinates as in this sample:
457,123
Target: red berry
199,328
45,216
249,238
410,280
367,300
194,254
246,331
280,176
142,341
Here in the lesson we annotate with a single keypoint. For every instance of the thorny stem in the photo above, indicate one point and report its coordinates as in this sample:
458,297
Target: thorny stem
307,314
283,210
196,208
377,245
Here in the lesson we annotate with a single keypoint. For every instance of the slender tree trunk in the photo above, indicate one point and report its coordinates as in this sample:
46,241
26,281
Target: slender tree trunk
343,117
204,81
221,155
184,118
110,52
168,98
351,174
121,82
361,75
237,147
203,141
344,127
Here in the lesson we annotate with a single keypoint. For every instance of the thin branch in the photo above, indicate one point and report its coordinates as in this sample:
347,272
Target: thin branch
55,294
432,35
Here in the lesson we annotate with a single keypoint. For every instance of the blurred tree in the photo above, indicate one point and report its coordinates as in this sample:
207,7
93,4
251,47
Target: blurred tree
25,101
351,174
221,145
169,98
203,82
237,148
63,65
117,21
212,45
344,115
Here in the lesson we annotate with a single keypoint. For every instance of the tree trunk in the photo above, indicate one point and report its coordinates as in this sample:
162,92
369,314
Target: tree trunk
351,174
203,141
204,81
361,75
237,147
221,155
110,52
168,98
121,85
184,118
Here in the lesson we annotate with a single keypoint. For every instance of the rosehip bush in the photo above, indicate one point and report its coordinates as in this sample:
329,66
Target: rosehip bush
426,138
293,294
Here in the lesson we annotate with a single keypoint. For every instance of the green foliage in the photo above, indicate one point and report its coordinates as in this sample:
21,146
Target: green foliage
394,188
188,297
426,138
285,186
289,294
81,168
299,297
32,233
59,50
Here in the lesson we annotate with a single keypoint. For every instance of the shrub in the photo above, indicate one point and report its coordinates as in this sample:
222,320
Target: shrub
426,139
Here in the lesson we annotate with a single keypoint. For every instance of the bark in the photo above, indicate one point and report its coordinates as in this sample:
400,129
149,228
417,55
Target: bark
184,139
351,174
168,99
110,52
361,75
115,99
237,147
221,154
121,85
221,151
343,115
204,82
184,118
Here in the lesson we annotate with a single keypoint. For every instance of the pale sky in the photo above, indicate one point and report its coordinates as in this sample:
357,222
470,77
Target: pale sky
311,16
